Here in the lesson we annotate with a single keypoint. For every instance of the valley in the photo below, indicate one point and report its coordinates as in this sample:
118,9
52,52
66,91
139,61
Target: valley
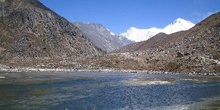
49,41
51,62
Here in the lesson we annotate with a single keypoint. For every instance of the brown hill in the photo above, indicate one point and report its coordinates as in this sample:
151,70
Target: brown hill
28,29
153,42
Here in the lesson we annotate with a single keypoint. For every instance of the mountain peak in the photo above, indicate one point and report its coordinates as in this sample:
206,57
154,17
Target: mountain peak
178,25
179,20
132,28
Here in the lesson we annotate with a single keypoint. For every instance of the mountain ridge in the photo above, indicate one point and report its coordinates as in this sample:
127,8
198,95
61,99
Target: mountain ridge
101,36
138,35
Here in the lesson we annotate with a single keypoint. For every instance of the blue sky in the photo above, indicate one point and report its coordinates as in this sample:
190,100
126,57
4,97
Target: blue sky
119,15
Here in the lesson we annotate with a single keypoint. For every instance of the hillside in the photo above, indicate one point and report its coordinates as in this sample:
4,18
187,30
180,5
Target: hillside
28,29
144,45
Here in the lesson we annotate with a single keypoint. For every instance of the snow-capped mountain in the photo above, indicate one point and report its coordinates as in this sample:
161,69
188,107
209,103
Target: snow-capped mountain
138,35
178,25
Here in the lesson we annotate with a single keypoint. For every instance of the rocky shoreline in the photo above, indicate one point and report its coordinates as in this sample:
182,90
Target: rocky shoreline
4,68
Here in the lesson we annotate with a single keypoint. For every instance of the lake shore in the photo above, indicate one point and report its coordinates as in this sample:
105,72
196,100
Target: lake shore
35,75
4,68
32,77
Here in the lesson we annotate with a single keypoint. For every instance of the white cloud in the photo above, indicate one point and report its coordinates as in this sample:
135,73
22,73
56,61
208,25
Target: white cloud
201,16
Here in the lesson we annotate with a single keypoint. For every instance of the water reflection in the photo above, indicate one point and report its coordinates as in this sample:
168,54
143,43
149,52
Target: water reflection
149,81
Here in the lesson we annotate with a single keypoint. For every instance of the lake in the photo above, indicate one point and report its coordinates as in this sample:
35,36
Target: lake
108,91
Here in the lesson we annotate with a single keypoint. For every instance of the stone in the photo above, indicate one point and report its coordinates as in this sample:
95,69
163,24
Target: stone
179,54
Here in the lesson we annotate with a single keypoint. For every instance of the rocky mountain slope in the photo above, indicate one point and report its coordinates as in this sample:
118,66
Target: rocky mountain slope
102,37
138,35
28,29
